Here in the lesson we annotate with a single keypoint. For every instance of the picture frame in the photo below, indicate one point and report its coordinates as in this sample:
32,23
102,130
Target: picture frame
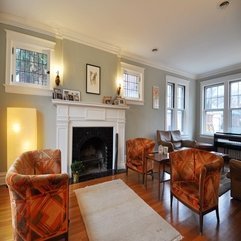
93,79
155,97
120,101
57,93
71,95
107,100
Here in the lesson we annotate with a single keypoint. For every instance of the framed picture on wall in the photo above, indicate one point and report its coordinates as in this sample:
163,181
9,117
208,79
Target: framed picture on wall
155,97
92,79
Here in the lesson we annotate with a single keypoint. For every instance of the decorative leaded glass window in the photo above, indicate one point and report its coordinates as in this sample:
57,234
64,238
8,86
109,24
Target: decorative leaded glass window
31,67
28,63
132,83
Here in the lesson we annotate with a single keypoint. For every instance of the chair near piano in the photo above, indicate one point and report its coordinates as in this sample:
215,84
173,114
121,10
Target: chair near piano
234,175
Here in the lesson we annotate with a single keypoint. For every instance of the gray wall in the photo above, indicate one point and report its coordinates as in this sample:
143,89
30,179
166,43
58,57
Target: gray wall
141,121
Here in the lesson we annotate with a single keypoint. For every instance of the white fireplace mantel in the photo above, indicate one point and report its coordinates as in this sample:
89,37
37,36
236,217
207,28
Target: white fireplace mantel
71,114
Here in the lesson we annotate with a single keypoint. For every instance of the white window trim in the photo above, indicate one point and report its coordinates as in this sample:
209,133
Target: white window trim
27,41
226,112
178,81
137,70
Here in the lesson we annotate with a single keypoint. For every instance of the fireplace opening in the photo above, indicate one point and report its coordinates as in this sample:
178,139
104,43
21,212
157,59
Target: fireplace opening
94,147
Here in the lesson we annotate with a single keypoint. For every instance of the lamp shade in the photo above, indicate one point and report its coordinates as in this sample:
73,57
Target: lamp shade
21,132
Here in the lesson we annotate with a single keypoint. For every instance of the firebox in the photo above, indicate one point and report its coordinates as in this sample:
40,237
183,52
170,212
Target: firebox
94,147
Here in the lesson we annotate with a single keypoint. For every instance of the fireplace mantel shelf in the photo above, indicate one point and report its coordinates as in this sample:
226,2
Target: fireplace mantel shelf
89,104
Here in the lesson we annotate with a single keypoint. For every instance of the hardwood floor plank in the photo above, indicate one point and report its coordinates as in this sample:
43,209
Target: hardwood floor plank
182,218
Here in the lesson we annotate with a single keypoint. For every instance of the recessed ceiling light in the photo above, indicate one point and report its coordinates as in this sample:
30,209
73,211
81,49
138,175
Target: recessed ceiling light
154,50
224,4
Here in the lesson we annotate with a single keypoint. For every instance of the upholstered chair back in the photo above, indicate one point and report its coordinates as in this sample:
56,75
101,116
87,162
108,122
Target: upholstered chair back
136,149
195,179
39,195
176,139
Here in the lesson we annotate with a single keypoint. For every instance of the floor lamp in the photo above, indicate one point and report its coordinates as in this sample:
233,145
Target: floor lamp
21,132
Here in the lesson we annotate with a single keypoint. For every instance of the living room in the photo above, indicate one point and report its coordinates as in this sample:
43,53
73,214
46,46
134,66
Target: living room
73,49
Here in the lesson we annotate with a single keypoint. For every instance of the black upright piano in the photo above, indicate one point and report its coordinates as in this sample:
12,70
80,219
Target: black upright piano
227,141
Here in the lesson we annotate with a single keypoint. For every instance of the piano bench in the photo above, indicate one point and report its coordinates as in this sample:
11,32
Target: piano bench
205,146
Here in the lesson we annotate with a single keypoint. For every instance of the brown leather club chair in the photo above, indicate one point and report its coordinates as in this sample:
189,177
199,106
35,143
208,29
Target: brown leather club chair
173,140
235,176
136,150
39,196
195,179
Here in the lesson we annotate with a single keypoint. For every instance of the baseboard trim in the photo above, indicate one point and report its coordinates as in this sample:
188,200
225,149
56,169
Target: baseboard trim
2,178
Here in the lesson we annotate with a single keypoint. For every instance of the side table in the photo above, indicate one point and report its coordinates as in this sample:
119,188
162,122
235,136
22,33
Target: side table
161,159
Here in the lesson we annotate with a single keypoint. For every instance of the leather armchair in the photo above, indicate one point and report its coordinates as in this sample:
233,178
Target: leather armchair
173,140
136,150
195,179
235,176
39,196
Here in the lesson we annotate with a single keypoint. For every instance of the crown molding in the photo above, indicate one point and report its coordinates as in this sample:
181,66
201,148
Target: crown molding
64,33
219,71
89,41
24,23
147,62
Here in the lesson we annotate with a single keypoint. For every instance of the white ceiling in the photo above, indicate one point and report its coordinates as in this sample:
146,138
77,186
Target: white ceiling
193,37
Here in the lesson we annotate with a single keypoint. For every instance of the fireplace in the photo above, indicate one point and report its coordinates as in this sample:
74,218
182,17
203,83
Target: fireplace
73,115
94,147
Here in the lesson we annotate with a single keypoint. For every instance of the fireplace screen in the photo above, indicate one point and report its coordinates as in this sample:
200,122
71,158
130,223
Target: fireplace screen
94,147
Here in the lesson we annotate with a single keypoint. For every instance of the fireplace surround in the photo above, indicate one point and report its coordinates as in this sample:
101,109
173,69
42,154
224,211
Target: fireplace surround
70,115
93,146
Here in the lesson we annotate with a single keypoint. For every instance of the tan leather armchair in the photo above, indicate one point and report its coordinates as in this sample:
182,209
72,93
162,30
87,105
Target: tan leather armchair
195,179
39,196
235,176
173,140
136,150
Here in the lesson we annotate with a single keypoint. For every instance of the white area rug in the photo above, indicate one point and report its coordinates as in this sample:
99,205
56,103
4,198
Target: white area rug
114,212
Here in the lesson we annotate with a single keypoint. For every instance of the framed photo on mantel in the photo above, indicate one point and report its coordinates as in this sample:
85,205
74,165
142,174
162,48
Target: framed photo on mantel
92,79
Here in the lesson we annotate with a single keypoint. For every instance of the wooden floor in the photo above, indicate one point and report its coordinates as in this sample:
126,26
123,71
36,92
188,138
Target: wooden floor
184,220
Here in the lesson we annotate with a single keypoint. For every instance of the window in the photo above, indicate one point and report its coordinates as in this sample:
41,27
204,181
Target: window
221,105
180,107
28,62
176,107
235,106
213,108
170,106
132,83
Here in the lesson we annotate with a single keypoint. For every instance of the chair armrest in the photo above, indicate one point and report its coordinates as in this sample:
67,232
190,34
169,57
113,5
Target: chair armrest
209,181
189,143
24,186
235,170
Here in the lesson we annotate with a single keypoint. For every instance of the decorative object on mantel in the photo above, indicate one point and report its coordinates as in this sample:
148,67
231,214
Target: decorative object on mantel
155,97
107,100
72,95
119,101
92,79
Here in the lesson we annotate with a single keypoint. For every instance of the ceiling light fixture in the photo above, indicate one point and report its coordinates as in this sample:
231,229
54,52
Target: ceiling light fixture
154,50
224,4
